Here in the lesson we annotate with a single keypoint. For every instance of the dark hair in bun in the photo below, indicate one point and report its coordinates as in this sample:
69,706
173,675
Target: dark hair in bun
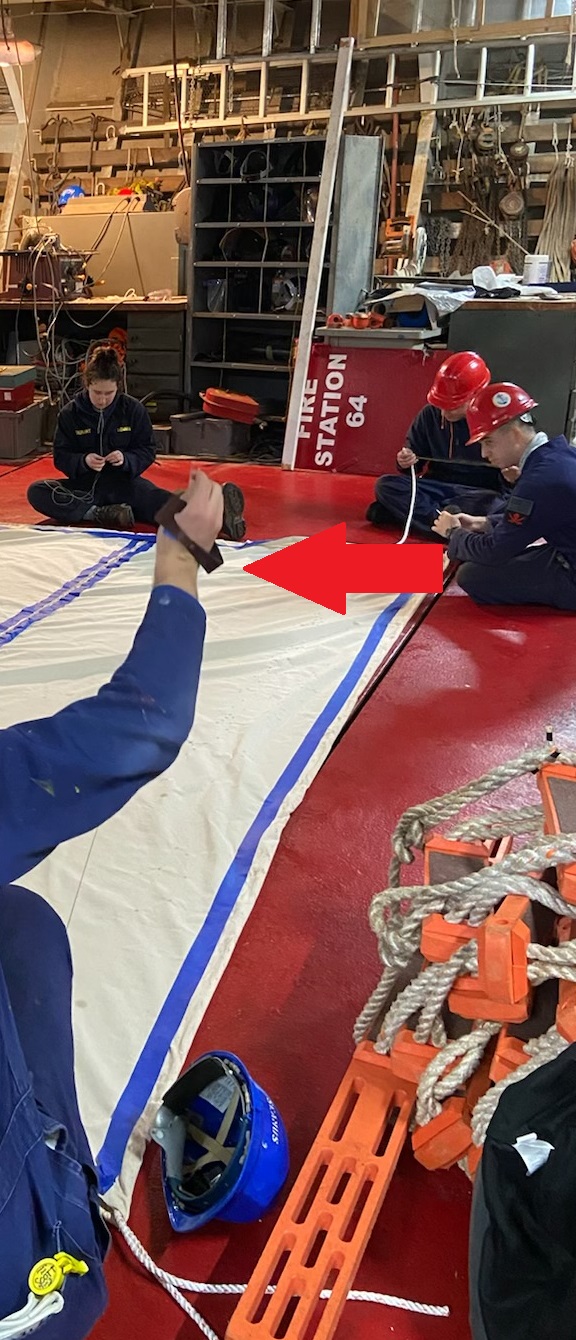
102,364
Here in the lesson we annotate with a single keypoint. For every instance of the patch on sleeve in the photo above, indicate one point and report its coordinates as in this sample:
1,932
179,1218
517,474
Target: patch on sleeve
519,510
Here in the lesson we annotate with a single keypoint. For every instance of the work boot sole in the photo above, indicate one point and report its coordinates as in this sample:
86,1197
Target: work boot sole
113,517
234,525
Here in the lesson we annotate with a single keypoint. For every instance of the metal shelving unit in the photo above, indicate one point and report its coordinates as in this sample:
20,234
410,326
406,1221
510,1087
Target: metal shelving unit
251,240
254,205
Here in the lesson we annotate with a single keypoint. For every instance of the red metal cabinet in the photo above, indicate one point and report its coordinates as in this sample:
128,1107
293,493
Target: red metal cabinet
358,405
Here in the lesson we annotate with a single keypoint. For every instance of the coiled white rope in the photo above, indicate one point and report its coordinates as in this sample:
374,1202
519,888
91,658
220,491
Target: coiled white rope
174,1285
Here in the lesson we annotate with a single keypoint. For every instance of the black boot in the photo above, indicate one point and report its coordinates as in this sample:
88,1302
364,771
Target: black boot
115,516
234,525
378,516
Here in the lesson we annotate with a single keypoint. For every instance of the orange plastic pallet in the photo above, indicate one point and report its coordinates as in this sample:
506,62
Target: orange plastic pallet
408,1058
448,858
508,1055
470,1002
503,941
323,1230
440,938
557,786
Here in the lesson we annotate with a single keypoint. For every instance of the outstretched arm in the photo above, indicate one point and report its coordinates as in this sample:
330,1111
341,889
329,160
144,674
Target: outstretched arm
67,774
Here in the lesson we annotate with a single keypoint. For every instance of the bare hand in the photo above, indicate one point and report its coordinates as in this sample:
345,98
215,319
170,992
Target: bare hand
473,523
406,458
203,517
115,458
511,474
446,522
95,462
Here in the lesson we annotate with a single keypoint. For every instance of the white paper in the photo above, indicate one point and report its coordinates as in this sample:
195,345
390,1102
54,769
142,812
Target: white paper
533,1151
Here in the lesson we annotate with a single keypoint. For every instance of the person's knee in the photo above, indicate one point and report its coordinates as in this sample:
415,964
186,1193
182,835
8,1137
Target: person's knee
36,495
386,486
472,579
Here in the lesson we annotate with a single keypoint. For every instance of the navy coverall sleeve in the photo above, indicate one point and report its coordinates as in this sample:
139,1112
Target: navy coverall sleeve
68,773
67,458
526,518
142,452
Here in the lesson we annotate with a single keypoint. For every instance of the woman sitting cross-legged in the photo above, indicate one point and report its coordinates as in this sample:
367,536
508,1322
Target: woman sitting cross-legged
104,443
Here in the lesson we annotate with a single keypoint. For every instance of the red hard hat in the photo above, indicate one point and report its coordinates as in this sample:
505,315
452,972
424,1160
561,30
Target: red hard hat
457,380
494,406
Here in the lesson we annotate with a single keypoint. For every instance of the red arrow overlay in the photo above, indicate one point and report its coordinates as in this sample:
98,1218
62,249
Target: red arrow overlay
324,568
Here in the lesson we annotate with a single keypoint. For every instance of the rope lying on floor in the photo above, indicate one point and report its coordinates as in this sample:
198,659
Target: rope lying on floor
174,1285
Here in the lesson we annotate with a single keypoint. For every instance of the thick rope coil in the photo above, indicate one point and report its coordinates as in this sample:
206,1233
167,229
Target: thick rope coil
427,992
540,1051
416,822
439,1081
512,875
546,961
396,915
375,1005
173,1285
499,823
557,230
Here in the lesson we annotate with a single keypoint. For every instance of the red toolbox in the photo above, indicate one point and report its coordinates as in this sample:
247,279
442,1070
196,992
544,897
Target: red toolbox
226,405
16,387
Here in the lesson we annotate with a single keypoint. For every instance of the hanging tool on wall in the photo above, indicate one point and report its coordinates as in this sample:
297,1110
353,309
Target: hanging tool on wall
55,179
519,150
94,123
399,237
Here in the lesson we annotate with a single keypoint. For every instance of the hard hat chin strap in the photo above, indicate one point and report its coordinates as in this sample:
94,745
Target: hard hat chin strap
215,1146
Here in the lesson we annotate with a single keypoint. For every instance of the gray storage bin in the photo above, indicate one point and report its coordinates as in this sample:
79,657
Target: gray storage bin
21,431
197,434
163,438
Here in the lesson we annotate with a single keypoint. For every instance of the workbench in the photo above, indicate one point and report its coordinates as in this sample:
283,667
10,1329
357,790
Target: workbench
155,330
530,341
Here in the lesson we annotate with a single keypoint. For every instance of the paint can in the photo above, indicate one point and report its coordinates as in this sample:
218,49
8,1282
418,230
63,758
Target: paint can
536,269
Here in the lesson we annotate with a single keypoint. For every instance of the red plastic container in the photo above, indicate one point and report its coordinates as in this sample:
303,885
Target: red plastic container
228,405
17,385
17,397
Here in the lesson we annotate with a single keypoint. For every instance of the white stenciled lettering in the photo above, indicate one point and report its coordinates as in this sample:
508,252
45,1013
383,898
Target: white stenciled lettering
308,406
330,412
274,1123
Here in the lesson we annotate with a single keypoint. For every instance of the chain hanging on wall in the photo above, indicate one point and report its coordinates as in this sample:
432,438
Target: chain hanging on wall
483,238
439,235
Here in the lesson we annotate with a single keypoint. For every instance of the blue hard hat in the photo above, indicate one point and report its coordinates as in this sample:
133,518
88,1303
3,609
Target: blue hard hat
224,1145
70,193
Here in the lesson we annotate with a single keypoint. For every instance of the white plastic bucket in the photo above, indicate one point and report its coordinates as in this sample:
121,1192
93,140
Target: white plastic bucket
536,269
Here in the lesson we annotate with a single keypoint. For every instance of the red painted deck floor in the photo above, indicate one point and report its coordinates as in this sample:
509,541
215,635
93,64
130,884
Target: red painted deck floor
281,502
470,689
